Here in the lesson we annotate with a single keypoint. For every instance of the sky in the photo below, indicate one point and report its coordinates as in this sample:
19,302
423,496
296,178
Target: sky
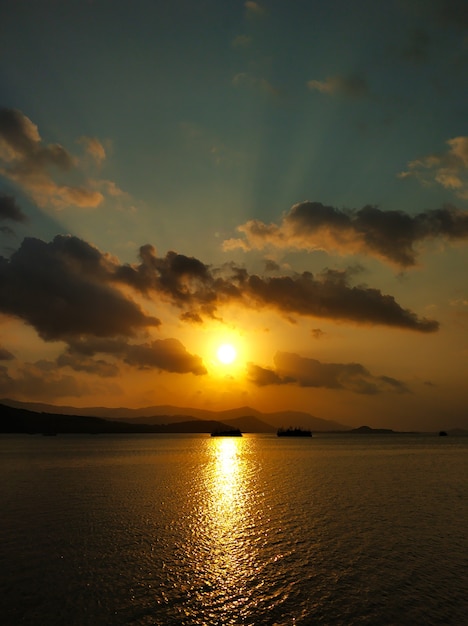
286,177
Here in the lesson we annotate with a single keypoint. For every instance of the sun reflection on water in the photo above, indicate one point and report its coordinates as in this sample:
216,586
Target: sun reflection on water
225,558
226,477
227,492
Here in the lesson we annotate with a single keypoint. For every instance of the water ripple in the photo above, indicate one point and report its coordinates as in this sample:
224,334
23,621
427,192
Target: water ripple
256,531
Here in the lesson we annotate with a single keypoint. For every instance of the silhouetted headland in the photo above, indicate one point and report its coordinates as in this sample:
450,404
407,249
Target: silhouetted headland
367,430
19,421
32,417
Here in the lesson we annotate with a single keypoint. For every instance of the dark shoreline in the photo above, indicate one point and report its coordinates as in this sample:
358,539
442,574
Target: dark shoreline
23,421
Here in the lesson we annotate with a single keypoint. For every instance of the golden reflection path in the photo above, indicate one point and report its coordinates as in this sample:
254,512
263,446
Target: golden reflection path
225,560
226,505
225,484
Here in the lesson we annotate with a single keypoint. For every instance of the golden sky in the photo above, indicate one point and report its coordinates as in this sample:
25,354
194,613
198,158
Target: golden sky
288,179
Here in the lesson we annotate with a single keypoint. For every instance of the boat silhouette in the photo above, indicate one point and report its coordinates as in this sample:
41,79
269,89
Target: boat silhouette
293,432
230,432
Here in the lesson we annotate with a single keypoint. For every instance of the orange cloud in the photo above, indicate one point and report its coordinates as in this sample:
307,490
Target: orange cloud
306,372
448,169
354,86
94,148
254,9
39,168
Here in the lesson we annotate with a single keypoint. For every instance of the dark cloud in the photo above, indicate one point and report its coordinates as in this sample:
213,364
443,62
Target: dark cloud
181,280
25,159
271,266
168,355
165,354
81,363
41,380
388,235
452,12
190,316
201,290
317,333
293,369
175,274
6,381
9,210
6,355
263,376
63,289
441,13
331,296
67,289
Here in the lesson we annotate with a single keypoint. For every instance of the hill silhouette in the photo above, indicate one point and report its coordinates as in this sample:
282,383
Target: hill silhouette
245,418
16,420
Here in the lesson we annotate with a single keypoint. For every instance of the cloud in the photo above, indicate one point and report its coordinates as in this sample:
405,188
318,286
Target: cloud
353,86
190,316
183,279
6,355
168,355
440,13
26,160
63,289
306,372
388,235
448,169
70,291
41,380
254,9
94,148
317,333
81,363
331,296
263,376
164,354
199,289
9,210
271,266
453,12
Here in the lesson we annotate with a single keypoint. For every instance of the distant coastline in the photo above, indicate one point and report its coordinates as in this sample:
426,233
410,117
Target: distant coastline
15,419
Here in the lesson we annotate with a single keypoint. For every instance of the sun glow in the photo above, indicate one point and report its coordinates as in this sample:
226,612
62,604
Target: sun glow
226,353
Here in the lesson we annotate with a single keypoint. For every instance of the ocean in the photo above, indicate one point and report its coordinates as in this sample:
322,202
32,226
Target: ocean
192,530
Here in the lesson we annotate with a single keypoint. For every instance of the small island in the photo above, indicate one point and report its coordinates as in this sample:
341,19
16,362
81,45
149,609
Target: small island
293,432
232,432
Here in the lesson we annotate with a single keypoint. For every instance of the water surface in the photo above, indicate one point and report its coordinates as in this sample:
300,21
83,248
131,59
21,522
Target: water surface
192,530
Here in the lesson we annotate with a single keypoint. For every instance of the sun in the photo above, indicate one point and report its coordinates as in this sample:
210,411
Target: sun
226,353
